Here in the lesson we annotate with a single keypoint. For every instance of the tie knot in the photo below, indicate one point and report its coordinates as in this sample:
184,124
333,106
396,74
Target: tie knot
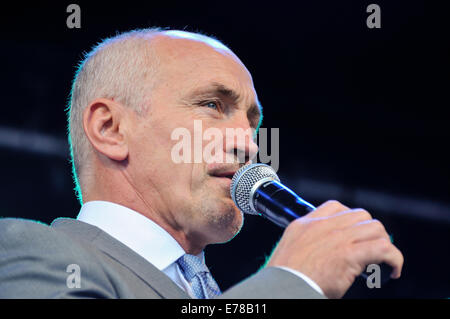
191,266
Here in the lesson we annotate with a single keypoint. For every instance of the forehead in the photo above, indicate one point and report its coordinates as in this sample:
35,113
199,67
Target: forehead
188,61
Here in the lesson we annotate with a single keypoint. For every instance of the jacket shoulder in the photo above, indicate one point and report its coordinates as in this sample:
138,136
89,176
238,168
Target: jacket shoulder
16,230
272,283
36,261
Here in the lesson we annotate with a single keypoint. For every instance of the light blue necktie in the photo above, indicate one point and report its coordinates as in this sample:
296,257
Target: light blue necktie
197,274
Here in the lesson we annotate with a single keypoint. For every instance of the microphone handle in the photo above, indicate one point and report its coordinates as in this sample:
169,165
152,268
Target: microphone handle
281,206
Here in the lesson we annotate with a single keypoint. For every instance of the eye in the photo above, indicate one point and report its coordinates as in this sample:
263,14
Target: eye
214,105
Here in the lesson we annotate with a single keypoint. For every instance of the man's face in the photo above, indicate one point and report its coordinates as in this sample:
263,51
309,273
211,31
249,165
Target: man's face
195,82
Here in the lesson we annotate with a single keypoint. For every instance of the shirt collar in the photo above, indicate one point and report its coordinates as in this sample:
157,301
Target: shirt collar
133,229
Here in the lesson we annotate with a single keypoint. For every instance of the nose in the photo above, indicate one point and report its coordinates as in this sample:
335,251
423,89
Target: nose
240,142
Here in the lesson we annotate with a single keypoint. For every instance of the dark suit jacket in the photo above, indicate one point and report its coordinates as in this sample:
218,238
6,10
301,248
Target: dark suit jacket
34,260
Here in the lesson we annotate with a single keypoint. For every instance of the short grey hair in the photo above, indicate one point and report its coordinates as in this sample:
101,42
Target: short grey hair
122,68
119,68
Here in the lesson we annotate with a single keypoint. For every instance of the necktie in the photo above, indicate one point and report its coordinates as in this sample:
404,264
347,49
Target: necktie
197,274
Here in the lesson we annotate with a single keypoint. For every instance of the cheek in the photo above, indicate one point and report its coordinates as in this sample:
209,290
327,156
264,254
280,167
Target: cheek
155,142
149,156
161,150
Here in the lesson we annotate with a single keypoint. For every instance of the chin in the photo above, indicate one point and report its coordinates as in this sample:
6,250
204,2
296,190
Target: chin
225,221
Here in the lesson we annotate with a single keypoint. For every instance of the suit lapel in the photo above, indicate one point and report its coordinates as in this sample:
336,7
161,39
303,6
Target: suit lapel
155,278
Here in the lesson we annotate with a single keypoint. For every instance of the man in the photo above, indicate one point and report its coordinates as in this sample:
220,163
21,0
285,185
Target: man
145,218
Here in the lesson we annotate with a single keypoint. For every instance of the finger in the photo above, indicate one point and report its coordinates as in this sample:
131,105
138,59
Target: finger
328,208
351,217
378,251
366,230
342,219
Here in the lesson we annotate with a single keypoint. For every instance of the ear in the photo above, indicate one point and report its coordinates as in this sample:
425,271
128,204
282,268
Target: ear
105,127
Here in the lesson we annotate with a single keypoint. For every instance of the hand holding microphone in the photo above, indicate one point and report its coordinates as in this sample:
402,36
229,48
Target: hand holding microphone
331,244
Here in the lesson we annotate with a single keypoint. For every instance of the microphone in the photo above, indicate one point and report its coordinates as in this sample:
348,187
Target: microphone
257,190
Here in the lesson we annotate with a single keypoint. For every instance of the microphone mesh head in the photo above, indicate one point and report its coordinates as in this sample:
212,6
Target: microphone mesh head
244,180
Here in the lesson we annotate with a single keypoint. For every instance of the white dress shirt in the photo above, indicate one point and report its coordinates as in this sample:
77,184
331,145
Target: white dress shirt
147,239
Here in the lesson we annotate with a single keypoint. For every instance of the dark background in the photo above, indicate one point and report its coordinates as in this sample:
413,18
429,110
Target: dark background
362,114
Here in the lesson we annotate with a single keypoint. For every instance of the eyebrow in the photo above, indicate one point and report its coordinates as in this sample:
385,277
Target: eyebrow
254,112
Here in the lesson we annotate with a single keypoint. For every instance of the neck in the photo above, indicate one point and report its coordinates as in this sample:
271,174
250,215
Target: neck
132,198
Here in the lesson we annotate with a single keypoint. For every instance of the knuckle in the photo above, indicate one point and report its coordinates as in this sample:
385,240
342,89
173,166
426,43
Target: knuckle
398,253
334,204
384,246
379,226
363,214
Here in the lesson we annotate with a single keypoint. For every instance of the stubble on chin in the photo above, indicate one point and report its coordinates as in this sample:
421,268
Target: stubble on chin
222,218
